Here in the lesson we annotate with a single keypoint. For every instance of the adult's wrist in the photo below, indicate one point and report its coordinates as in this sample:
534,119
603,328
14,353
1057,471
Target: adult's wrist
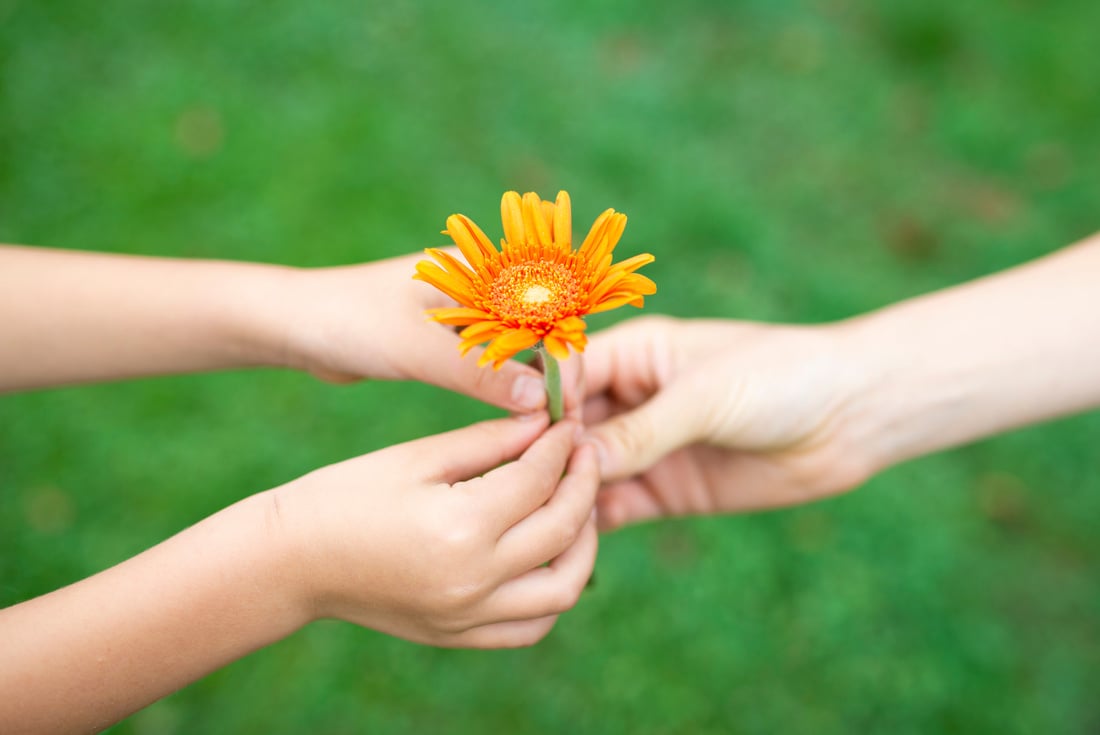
916,395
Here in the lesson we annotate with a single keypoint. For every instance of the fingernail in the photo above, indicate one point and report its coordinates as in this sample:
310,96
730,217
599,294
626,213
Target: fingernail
528,393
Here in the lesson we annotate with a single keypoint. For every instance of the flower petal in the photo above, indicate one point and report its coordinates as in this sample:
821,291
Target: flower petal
511,216
481,328
446,282
507,345
595,234
548,215
556,347
615,301
459,316
453,266
603,246
571,324
537,228
563,222
632,264
469,238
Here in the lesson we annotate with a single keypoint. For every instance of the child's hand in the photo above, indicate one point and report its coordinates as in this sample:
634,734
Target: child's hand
438,542
368,321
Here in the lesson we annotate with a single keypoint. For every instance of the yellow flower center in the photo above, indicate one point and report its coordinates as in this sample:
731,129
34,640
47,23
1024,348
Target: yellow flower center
535,293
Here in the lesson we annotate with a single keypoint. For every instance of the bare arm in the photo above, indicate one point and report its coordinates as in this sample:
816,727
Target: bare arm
704,416
72,317
80,658
1008,350
435,541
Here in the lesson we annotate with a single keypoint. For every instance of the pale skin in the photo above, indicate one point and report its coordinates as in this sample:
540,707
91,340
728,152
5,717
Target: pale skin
475,538
718,416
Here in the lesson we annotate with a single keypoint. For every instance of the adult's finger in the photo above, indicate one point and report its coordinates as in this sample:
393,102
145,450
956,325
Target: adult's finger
623,359
625,502
633,441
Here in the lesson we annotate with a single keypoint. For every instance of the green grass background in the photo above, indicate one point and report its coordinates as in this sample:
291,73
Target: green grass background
785,161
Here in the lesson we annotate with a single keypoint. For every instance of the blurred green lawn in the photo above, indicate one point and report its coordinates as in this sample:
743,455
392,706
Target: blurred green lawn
795,161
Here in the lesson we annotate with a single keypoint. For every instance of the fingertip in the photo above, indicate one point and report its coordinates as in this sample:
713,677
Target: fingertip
585,460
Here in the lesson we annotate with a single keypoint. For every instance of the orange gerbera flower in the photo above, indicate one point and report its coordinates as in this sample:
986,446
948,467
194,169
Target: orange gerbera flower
536,288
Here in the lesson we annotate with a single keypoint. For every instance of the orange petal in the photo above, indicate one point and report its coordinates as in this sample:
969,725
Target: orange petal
479,329
577,339
447,283
571,324
615,230
459,316
548,215
533,221
466,345
603,246
469,238
639,284
632,264
556,347
620,284
507,345
563,222
614,302
511,216
595,234
453,266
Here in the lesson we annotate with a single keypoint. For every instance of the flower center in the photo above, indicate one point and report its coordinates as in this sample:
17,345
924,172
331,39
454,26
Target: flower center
535,293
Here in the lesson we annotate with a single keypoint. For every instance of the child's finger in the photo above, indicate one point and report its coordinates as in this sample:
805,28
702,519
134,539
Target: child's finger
516,489
434,358
510,634
554,527
552,589
461,454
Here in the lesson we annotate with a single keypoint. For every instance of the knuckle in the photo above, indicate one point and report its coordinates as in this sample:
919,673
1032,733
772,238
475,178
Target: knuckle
456,598
567,530
457,533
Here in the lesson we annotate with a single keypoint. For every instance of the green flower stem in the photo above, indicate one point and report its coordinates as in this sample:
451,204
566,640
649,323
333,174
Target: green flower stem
552,374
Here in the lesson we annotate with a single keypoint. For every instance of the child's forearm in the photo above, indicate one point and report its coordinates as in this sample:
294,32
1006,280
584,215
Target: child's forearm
68,317
87,655
1005,351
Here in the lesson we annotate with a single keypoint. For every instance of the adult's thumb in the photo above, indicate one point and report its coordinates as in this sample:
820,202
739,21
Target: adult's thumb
634,441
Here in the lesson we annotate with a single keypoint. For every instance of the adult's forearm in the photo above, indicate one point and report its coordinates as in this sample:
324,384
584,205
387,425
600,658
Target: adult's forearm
87,655
1008,350
70,317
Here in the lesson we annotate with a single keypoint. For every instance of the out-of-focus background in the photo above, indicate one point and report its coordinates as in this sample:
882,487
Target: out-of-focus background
785,161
